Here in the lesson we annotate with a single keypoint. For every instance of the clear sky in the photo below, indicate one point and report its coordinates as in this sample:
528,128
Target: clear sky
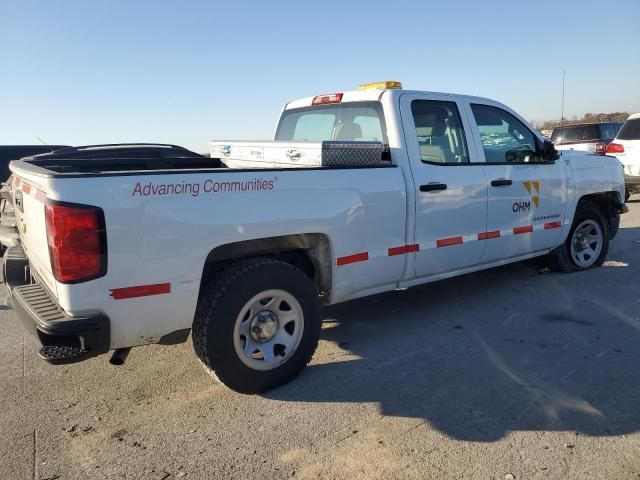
185,72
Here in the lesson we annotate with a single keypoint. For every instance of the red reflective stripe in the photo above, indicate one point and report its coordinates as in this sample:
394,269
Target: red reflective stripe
17,182
140,291
397,251
519,230
445,242
549,225
403,249
26,188
358,257
41,196
488,235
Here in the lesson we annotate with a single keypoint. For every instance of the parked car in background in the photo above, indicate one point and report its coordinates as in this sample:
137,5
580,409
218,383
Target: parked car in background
626,146
586,137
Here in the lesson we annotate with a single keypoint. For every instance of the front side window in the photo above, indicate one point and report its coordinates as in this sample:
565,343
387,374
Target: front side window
439,131
352,122
505,139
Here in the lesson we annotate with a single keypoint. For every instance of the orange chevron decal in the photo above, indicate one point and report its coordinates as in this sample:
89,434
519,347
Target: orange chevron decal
536,185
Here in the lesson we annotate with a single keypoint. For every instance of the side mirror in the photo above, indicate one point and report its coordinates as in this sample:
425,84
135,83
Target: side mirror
520,155
549,152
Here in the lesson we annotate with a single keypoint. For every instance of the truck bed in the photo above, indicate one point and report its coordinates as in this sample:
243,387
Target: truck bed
112,165
137,159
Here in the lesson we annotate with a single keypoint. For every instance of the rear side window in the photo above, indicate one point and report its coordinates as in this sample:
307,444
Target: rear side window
608,131
439,131
556,135
630,130
355,121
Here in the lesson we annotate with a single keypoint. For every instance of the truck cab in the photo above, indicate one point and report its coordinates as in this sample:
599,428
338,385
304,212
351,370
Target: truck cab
476,172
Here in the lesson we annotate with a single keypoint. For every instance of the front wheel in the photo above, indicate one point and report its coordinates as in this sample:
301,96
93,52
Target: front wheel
587,244
257,324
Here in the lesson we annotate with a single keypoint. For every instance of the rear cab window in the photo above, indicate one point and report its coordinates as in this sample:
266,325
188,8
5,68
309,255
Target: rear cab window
347,122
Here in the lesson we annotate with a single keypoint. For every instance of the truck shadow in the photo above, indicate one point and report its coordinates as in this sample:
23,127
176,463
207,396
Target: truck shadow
479,356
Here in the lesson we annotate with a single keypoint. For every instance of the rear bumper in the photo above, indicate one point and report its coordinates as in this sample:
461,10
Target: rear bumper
64,339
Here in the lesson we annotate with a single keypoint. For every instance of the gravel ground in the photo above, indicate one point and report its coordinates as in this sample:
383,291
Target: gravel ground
508,373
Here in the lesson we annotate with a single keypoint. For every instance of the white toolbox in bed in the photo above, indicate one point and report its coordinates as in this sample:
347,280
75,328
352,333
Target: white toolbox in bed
297,154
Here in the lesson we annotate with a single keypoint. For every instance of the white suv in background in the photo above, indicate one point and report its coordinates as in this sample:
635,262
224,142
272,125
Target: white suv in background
626,146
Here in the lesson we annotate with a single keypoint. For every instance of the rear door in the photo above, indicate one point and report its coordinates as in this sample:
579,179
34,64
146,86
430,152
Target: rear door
451,189
526,197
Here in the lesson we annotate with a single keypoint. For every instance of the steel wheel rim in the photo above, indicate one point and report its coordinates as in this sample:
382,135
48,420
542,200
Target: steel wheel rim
586,243
255,341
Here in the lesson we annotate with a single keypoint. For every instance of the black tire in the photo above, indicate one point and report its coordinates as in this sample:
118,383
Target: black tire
560,260
627,195
220,304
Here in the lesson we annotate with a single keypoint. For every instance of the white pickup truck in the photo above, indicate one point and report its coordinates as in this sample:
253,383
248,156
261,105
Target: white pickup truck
127,249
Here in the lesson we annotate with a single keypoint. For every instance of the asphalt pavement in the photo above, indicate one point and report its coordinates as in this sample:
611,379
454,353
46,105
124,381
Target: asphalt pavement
509,373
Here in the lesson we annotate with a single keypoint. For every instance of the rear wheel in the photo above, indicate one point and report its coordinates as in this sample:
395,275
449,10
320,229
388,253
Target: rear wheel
627,195
257,324
587,244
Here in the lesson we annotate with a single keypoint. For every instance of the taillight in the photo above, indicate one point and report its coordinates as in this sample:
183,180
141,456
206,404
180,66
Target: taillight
601,147
615,148
329,98
77,241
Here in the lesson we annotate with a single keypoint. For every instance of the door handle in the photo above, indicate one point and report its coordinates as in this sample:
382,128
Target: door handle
501,182
433,187
294,154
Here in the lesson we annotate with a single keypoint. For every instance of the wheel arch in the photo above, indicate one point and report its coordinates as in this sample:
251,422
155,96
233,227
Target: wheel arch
310,252
609,205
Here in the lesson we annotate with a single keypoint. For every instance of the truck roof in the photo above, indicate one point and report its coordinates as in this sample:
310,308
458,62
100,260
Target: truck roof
376,94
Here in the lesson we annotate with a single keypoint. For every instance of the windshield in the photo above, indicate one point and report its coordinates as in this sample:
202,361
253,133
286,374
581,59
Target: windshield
354,121
630,130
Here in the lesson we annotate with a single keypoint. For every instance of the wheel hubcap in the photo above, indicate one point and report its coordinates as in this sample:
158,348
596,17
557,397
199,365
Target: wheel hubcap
263,326
586,244
268,329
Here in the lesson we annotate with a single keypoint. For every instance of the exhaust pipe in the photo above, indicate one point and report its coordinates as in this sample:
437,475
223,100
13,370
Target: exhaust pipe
119,356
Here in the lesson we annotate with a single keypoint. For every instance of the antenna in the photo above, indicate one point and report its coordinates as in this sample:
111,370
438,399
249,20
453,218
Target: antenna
562,114
43,142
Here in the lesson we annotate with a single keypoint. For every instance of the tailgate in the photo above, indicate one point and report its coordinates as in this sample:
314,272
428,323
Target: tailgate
29,201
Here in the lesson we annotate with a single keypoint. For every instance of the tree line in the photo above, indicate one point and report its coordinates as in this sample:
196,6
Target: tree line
586,118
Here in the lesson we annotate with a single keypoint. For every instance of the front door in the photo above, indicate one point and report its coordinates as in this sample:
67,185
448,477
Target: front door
526,196
451,188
